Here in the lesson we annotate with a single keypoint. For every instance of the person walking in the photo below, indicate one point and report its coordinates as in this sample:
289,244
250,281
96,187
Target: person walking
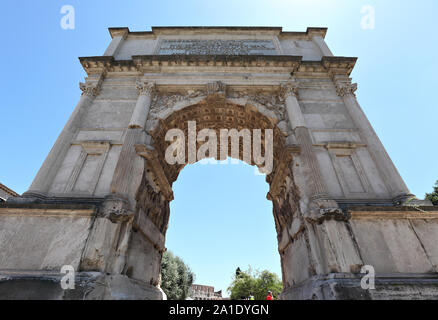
269,296
251,296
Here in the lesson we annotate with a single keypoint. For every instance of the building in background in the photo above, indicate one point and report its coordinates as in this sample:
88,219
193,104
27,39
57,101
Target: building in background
5,193
201,292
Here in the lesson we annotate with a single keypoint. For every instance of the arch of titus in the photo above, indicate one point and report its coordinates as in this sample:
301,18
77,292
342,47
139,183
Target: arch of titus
100,202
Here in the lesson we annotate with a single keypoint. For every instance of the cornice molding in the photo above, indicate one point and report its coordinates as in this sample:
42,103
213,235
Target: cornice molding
192,30
396,212
140,63
115,32
338,65
340,145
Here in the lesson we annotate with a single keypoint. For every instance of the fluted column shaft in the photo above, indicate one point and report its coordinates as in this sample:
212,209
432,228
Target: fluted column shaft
141,110
125,165
302,133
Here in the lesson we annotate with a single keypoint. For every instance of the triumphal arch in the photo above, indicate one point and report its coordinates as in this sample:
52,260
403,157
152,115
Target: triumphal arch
100,202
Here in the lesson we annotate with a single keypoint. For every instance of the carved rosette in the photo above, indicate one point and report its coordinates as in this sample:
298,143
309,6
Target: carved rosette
289,88
145,88
90,89
345,88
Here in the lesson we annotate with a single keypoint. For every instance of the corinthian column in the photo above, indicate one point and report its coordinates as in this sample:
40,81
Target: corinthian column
124,171
45,176
316,185
388,171
141,111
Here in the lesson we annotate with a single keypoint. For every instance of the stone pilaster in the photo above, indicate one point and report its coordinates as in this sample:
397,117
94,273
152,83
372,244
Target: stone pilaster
43,180
122,178
346,90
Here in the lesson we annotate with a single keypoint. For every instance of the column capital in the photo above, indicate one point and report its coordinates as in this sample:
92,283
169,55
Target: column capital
345,87
289,88
145,87
90,89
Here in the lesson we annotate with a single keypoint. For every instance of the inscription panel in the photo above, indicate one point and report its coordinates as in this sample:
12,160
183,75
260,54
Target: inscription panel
211,47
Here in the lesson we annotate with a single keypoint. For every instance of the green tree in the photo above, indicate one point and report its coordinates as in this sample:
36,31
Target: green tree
433,197
259,283
176,277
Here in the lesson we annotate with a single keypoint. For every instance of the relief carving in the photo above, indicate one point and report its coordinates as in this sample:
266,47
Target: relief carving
166,101
273,102
286,203
214,47
153,204
216,87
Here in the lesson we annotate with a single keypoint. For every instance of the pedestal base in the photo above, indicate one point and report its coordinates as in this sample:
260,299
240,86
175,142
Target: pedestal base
341,286
40,285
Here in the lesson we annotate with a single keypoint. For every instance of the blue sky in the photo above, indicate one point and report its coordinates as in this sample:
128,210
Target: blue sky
220,218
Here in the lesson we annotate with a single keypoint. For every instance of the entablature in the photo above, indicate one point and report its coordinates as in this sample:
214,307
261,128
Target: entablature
142,64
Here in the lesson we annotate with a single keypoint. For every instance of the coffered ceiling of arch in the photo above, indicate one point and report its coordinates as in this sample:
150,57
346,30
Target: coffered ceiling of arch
214,113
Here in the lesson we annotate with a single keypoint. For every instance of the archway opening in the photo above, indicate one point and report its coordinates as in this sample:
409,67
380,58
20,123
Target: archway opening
220,219
216,114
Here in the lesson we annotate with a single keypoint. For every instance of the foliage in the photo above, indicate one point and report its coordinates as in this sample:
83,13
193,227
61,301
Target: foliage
258,283
434,195
176,277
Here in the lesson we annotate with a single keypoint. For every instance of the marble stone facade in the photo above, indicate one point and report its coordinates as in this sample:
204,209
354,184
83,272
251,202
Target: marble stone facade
100,201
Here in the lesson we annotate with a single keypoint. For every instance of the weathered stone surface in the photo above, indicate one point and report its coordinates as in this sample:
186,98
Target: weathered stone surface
43,237
100,201
88,286
338,286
